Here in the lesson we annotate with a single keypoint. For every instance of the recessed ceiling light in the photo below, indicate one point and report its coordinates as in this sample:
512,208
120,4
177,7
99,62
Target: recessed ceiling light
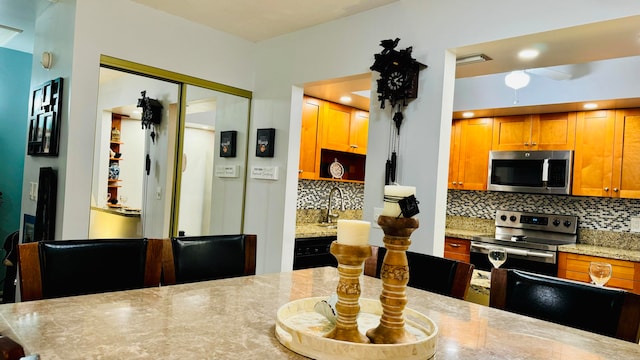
590,106
346,99
528,54
467,114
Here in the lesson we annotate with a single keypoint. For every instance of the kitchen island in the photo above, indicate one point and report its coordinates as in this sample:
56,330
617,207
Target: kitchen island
235,319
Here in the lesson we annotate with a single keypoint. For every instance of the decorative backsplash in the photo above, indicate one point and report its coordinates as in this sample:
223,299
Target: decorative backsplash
593,212
314,194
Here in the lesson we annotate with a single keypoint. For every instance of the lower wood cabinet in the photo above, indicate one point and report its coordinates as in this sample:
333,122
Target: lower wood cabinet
626,274
457,249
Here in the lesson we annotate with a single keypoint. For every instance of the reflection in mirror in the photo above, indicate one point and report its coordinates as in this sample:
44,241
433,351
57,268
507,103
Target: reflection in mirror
137,190
213,175
127,201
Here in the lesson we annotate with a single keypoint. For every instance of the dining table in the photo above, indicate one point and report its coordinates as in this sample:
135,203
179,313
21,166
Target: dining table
235,318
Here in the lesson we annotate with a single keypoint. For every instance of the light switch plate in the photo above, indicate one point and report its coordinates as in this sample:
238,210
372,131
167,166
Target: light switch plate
376,214
635,224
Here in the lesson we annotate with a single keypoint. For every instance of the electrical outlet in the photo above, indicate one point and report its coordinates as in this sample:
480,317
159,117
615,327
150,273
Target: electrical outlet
376,213
158,193
635,224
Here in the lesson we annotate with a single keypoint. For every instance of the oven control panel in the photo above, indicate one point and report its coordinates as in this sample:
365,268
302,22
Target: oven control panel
567,224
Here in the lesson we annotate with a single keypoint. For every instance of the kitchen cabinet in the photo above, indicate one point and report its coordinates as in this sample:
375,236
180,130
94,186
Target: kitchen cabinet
625,275
309,151
469,153
344,129
331,133
607,156
554,131
457,249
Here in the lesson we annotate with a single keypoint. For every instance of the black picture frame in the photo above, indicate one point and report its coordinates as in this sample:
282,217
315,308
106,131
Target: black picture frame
44,119
265,142
228,143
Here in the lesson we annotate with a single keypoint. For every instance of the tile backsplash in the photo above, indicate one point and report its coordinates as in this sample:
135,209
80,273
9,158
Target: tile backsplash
314,194
593,212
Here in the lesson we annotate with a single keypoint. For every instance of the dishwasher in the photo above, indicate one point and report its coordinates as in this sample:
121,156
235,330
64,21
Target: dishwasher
313,252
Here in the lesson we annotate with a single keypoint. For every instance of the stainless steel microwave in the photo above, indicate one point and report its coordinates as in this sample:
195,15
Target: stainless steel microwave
539,172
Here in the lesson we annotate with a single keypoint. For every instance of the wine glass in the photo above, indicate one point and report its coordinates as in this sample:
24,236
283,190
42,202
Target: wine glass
123,200
600,272
497,256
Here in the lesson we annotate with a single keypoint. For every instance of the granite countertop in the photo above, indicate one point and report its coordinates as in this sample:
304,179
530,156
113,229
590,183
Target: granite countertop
315,230
234,319
601,251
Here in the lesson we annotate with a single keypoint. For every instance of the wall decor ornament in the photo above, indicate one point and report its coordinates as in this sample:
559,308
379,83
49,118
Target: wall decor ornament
228,143
265,142
398,83
44,119
151,113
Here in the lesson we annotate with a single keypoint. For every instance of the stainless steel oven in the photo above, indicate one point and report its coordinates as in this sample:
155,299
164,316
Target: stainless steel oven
530,239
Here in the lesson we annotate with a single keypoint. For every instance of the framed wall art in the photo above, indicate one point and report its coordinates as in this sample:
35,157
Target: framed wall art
44,119
265,142
228,143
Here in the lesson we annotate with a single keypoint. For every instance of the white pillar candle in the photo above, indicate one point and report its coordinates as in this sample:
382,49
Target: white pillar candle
391,207
353,232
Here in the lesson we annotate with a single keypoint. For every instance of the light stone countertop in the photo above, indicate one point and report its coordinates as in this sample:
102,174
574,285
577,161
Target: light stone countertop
601,251
235,319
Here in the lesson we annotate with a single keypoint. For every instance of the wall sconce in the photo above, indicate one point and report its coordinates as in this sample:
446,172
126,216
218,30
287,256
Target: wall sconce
46,60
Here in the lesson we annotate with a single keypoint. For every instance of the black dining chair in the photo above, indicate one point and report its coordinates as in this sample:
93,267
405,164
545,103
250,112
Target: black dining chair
606,311
51,269
427,272
209,257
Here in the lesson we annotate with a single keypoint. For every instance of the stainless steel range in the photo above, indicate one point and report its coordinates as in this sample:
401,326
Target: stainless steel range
531,240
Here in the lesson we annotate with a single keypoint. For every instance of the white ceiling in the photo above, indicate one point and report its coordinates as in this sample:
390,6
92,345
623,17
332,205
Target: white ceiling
260,20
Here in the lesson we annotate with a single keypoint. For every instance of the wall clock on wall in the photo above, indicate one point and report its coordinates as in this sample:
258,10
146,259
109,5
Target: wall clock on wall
398,83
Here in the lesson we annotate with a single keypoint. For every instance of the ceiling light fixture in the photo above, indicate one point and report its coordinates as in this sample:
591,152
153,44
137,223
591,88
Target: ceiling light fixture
590,106
467,114
7,33
345,99
517,80
472,59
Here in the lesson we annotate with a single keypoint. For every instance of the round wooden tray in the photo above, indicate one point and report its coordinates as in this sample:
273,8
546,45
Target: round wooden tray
301,329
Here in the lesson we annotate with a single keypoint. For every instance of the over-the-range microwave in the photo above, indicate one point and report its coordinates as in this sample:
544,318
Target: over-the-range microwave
539,172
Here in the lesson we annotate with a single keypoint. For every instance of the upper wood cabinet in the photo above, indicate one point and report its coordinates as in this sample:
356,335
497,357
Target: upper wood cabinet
554,131
332,132
607,157
345,129
469,153
309,151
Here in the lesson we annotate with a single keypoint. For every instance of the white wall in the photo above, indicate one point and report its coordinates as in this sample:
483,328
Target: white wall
598,80
346,47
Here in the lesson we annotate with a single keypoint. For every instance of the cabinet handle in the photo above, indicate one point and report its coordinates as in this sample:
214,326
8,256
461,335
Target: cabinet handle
526,144
615,189
534,144
606,189
460,183
354,146
300,171
455,245
454,182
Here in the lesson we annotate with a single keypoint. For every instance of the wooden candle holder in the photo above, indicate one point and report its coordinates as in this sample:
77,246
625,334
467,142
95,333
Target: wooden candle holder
350,259
394,274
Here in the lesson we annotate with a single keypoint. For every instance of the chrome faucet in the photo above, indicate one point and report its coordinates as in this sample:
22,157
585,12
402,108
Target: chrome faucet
330,214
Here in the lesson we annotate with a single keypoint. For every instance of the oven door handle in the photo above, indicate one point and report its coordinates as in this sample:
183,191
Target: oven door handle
515,251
